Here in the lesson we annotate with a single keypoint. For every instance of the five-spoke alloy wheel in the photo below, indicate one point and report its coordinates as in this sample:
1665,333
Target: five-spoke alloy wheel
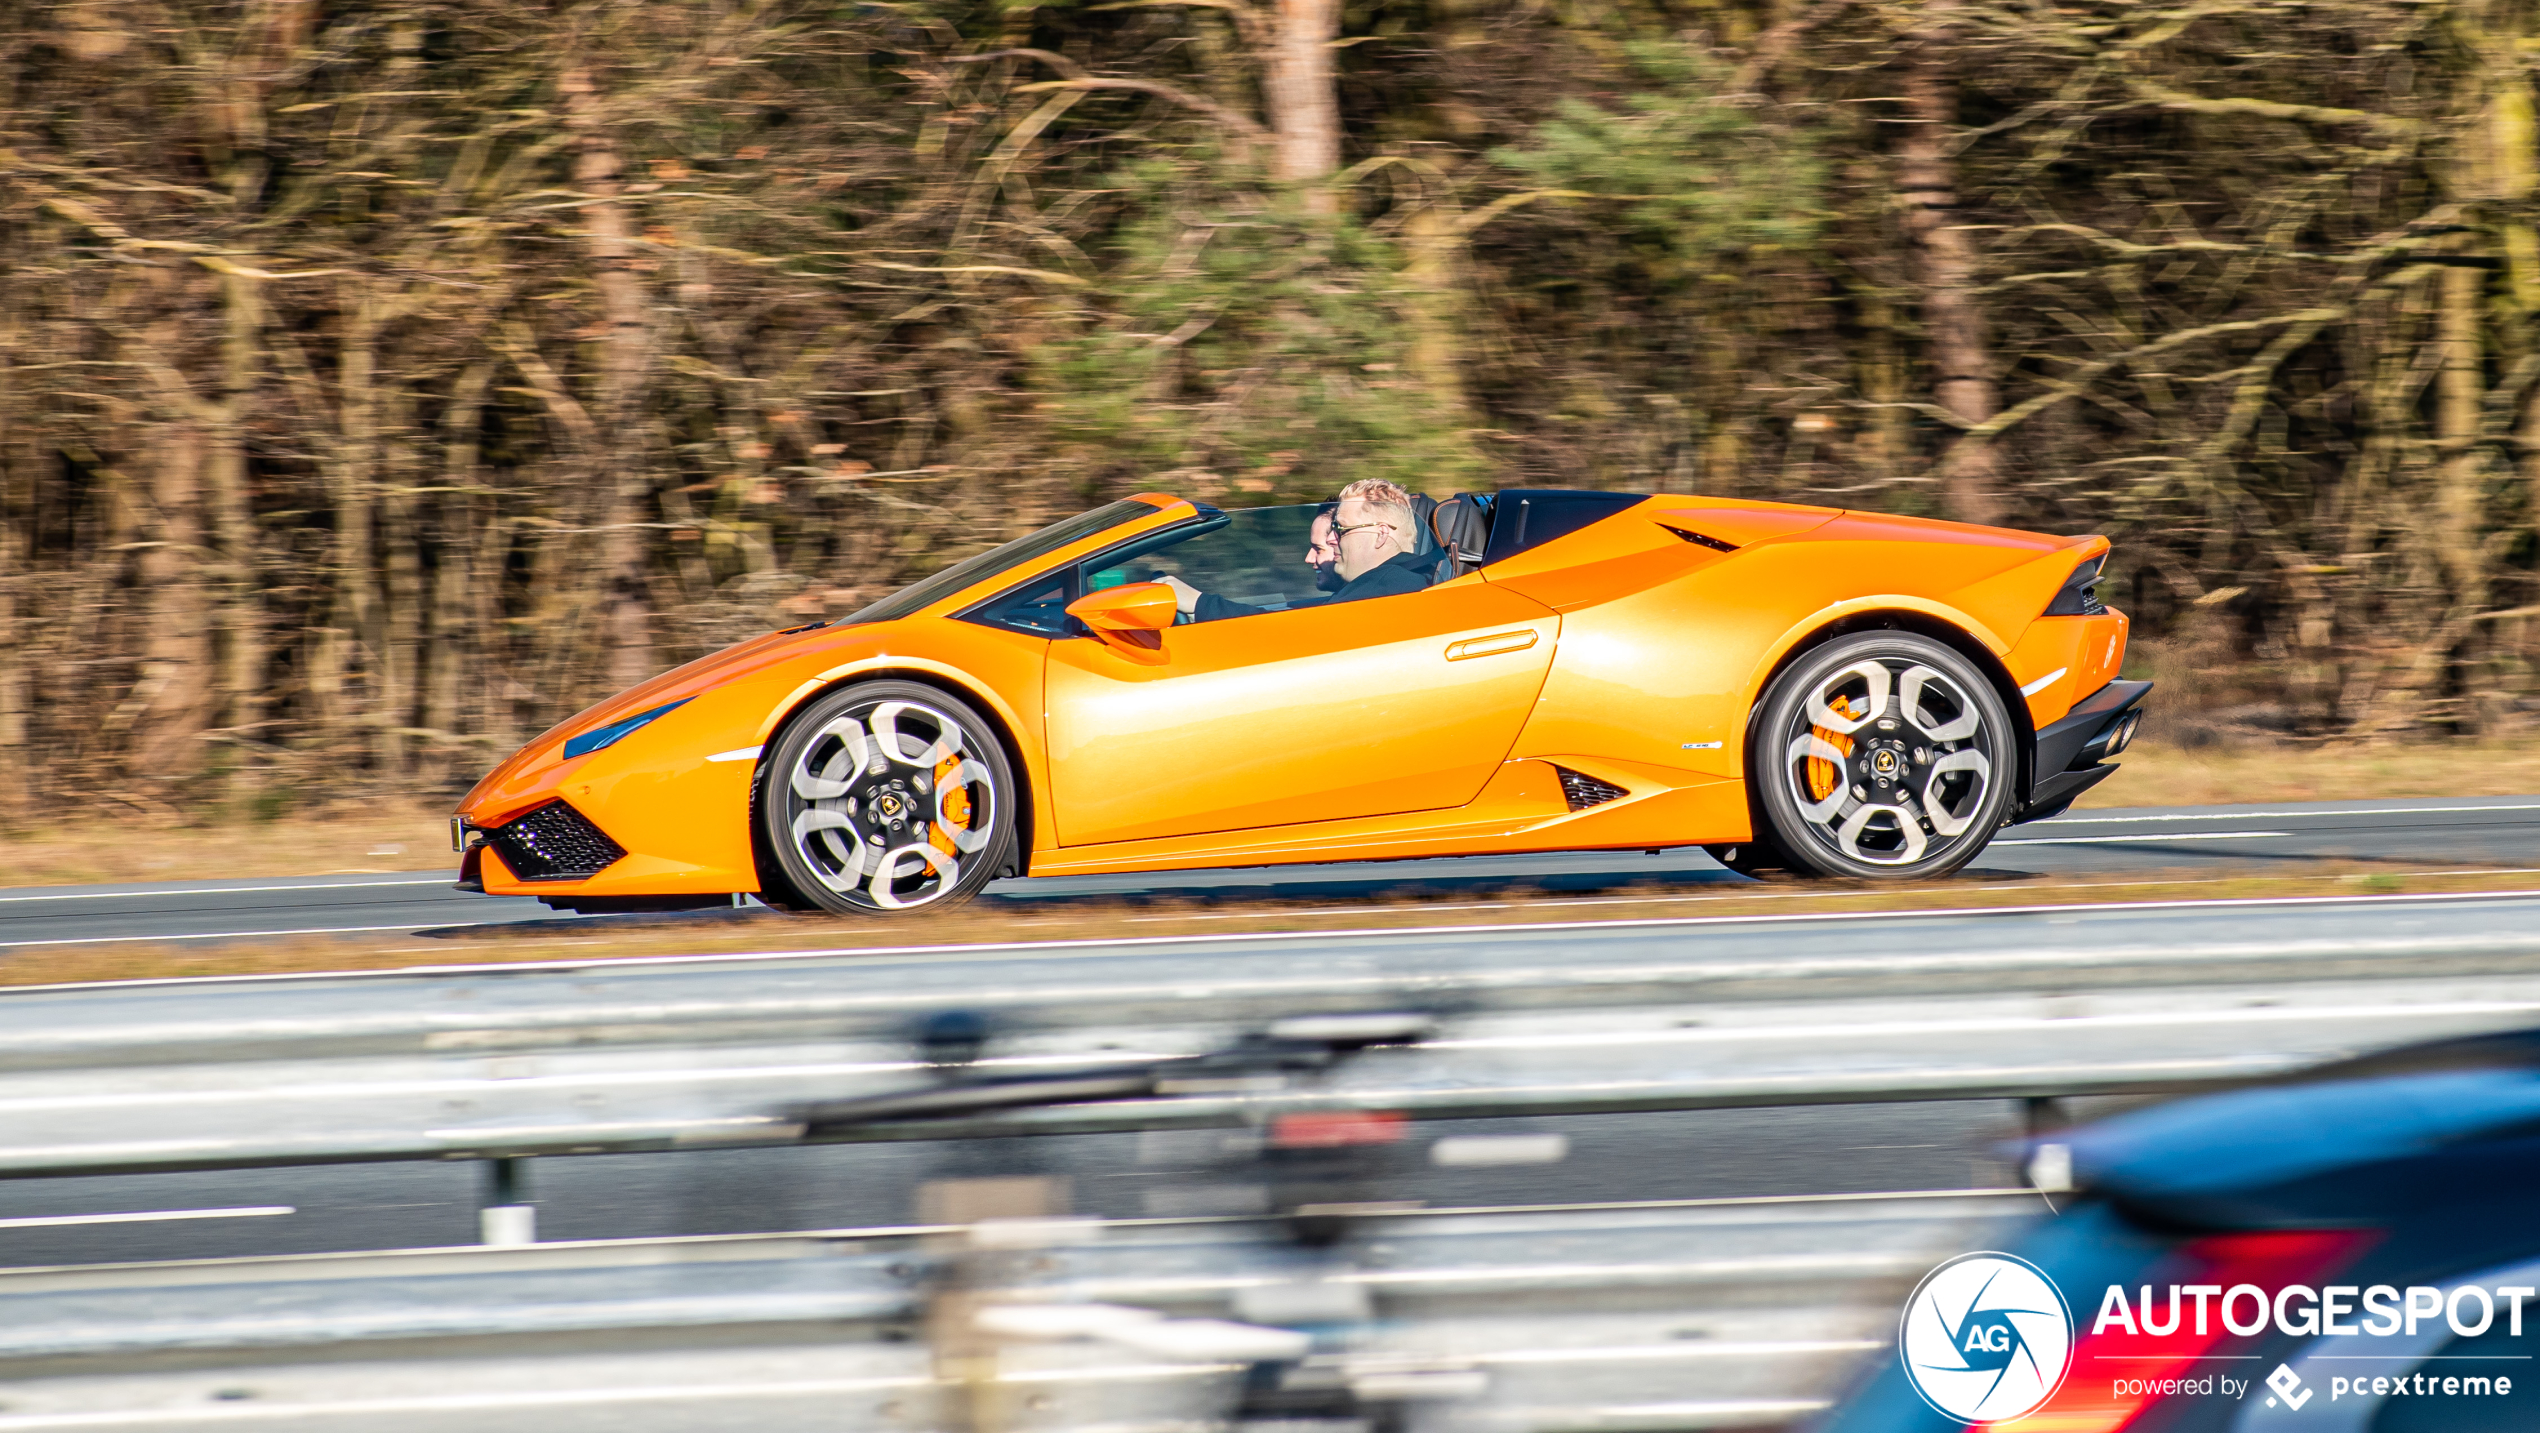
885,796
1882,755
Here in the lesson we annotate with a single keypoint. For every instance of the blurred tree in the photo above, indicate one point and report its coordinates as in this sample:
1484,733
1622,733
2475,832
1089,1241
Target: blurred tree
381,383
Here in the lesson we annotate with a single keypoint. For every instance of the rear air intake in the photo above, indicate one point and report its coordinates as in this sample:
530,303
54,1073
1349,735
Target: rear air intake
554,843
2079,596
1585,791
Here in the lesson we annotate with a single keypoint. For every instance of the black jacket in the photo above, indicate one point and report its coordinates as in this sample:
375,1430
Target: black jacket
1396,575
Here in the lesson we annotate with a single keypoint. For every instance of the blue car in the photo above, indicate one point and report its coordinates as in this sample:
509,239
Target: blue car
2354,1250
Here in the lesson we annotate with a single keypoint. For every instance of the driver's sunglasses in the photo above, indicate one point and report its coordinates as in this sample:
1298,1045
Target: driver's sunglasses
1340,531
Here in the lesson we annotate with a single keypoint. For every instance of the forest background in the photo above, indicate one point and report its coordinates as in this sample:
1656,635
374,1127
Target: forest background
381,382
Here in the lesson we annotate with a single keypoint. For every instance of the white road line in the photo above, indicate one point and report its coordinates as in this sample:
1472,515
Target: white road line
2137,840
149,1216
243,934
2240,813
93,894
347,1411
1084,947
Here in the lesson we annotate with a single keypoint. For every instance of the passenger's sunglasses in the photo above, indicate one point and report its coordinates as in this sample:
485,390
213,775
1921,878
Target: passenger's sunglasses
1340,531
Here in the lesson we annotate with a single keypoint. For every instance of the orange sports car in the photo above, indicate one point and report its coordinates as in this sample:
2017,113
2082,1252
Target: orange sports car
1799,688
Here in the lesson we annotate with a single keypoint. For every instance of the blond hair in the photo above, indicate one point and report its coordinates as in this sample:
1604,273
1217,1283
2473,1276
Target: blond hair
1389,503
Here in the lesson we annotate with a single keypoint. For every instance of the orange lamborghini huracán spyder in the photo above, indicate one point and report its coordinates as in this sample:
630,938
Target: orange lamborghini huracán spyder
1804,688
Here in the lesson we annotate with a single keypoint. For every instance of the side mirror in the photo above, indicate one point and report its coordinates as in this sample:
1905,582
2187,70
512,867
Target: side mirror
1134,614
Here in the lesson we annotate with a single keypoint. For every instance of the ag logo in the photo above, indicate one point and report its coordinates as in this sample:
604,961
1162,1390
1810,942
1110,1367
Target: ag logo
1986,1338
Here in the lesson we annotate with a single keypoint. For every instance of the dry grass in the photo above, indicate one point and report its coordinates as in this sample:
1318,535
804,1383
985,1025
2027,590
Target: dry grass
2161,775
986,924
112,845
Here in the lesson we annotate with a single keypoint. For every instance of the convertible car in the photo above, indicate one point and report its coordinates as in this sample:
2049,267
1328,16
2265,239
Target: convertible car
1793,688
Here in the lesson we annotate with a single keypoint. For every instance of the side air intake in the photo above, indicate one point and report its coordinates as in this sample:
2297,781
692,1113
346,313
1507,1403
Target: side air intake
1700,539
554,843
1585,791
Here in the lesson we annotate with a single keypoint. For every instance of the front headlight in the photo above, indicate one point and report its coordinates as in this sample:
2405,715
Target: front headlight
592,740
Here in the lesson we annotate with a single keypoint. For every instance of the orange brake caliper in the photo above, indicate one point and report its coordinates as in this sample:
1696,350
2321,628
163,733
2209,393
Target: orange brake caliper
956,807
1824,775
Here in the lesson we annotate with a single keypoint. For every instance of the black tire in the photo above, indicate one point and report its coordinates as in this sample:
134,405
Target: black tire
857,802
1913,751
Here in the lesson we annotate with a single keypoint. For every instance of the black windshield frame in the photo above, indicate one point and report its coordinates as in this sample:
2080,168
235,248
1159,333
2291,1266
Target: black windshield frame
971,571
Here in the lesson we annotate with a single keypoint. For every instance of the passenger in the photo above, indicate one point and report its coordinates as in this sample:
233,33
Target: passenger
1321,553
1374,549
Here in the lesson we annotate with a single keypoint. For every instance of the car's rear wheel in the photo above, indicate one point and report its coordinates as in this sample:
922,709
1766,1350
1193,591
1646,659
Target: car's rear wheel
1884,756
884,797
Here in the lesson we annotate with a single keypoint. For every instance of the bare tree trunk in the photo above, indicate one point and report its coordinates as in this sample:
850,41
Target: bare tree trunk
242,674
454,658
20,456
626,354
173,701
17,666
1305,113
352,627
2459,397
1945,260
401,614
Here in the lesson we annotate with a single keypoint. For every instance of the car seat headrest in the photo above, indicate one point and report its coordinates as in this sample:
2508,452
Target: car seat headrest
1423,511
1461,526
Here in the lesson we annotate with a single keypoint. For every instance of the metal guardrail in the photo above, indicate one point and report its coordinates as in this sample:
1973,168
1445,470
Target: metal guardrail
1624,1317
1592,1018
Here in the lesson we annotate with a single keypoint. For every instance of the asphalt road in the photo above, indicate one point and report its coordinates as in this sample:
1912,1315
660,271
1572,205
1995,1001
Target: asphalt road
1796,1151
1691,1155
1626,1156
2501,832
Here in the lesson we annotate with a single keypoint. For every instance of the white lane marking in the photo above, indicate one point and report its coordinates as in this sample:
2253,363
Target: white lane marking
2042,683
2138,840
248,934
437,879
148,1216
275,1411
1088,947
1839,1030
1977,1193
738,753
2242,813
1727,892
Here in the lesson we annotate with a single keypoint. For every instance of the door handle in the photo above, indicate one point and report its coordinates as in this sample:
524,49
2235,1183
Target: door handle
1489,646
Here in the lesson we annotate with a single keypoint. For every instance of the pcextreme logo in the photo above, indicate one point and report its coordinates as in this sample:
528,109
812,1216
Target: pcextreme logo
1986,1338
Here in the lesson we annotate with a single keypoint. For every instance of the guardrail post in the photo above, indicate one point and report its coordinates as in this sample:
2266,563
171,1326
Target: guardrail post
507,1218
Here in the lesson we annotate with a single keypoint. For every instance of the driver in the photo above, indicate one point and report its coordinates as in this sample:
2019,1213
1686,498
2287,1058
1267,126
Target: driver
1375,545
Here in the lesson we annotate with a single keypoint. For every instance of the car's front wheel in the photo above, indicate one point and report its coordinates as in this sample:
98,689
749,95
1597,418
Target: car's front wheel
884,797
1882,755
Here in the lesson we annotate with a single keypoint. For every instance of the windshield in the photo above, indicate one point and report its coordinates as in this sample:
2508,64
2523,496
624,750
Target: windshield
969,570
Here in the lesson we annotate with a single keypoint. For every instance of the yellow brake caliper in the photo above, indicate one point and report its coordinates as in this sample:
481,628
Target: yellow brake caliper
956,807
1823,775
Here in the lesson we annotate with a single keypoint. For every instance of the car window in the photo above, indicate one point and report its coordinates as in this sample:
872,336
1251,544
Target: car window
919,595
1038,607
1255,556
